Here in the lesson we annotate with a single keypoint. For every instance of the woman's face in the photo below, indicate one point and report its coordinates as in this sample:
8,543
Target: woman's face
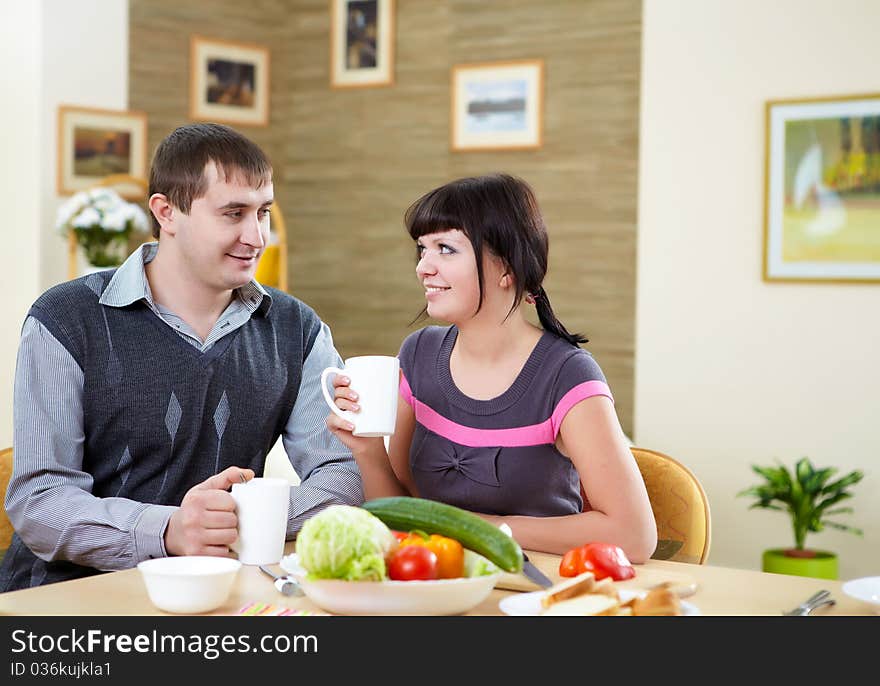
447,269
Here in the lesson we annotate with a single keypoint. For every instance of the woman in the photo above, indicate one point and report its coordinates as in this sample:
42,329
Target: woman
496,415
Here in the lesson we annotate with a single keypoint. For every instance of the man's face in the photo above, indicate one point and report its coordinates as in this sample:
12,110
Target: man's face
225,232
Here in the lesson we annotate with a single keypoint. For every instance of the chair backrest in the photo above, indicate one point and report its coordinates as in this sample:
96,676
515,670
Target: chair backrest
5,474
272,269
132,188
680,505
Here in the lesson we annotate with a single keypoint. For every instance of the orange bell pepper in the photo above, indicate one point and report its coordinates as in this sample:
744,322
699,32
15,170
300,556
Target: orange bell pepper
449,552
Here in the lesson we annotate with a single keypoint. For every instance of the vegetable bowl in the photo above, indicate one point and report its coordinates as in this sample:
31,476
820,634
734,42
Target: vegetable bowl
438,597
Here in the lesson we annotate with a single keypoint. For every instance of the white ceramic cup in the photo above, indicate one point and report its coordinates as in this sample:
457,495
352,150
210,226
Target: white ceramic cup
375,378
262,507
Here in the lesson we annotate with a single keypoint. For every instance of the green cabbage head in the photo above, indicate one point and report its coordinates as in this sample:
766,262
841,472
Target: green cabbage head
344,542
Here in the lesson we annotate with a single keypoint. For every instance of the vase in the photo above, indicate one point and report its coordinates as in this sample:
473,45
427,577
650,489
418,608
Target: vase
103,249
820,564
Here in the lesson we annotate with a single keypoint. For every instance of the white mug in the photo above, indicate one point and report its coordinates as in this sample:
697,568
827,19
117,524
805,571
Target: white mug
262,506
375,378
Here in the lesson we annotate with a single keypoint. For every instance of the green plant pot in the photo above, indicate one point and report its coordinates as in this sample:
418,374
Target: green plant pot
822,566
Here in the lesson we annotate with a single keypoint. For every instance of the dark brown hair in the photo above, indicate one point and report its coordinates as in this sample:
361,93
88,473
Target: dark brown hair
178,169
500,212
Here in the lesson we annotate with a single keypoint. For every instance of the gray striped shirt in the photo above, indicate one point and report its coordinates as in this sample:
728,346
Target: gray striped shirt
59,518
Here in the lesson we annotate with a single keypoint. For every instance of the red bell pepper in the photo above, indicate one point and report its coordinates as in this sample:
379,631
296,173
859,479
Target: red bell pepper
603,559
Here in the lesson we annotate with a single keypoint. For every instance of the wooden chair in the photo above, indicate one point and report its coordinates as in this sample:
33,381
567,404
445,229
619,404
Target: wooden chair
680,506
272,268
6,529
132,188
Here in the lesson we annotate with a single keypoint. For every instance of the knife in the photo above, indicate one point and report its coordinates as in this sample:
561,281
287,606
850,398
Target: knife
535,574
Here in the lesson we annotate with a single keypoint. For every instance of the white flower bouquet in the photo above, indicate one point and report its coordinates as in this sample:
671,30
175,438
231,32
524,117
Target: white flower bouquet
102,222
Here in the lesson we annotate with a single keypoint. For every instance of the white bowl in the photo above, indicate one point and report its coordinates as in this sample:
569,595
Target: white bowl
440,597
866,589
189,584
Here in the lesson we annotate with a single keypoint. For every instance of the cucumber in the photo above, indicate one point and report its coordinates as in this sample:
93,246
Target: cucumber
405,514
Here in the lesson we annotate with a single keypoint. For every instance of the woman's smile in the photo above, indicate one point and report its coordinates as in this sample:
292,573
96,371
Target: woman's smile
432,291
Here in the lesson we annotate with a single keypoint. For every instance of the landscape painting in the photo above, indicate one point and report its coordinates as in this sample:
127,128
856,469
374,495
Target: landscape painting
822,214
497,106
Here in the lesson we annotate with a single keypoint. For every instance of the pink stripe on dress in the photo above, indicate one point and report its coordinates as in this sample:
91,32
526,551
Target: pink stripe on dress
405,390
534,434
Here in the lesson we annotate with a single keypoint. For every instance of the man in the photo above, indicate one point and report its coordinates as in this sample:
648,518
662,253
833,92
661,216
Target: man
143,393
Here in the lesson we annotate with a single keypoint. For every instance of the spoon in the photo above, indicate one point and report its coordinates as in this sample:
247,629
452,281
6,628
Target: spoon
284,584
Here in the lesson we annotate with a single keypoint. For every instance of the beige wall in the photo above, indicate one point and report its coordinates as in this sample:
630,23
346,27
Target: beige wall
20,168
77,70
349,162
731,370
57,62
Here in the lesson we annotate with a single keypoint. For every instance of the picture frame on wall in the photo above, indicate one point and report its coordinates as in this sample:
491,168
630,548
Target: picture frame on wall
96,143
497,105
361,43
822,189
229,82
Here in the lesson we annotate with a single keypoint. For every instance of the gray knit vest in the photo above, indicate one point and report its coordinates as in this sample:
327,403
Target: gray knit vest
160,416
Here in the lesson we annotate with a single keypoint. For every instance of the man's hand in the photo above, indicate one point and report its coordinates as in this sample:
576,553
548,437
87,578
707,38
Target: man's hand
206,523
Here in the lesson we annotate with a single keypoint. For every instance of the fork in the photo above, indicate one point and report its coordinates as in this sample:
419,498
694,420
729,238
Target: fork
818,599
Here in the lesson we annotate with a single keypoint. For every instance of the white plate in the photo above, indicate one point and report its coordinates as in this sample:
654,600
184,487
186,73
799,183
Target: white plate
529,604
866,589
441,597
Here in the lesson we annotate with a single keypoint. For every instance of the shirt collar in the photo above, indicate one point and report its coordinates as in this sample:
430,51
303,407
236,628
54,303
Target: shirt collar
129,284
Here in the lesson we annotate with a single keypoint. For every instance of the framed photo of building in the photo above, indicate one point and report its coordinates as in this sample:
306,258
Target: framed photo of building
822,190
229,82
361,43
497,105
95,143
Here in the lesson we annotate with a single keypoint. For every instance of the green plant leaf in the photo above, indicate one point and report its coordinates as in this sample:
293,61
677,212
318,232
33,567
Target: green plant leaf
844,527
777,477
825,503
817,480
766,506
843,482
803,470
808,497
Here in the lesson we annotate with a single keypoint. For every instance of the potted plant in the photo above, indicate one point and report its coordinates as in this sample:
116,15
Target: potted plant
809,496
102,222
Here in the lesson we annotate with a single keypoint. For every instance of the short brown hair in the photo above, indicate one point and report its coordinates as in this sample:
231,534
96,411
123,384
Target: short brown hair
178,169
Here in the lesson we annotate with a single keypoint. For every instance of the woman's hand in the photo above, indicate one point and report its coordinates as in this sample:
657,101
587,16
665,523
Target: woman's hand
346,399
370,454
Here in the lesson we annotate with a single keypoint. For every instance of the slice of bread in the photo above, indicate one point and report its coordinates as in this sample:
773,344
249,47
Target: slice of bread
570,588
588,604
658,601
606,587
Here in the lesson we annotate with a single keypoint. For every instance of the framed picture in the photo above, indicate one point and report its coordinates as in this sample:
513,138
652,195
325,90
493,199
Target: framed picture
361,43
822,190
229,82
497,105
94,143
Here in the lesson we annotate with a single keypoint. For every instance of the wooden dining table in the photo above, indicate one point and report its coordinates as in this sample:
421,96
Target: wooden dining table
707,589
